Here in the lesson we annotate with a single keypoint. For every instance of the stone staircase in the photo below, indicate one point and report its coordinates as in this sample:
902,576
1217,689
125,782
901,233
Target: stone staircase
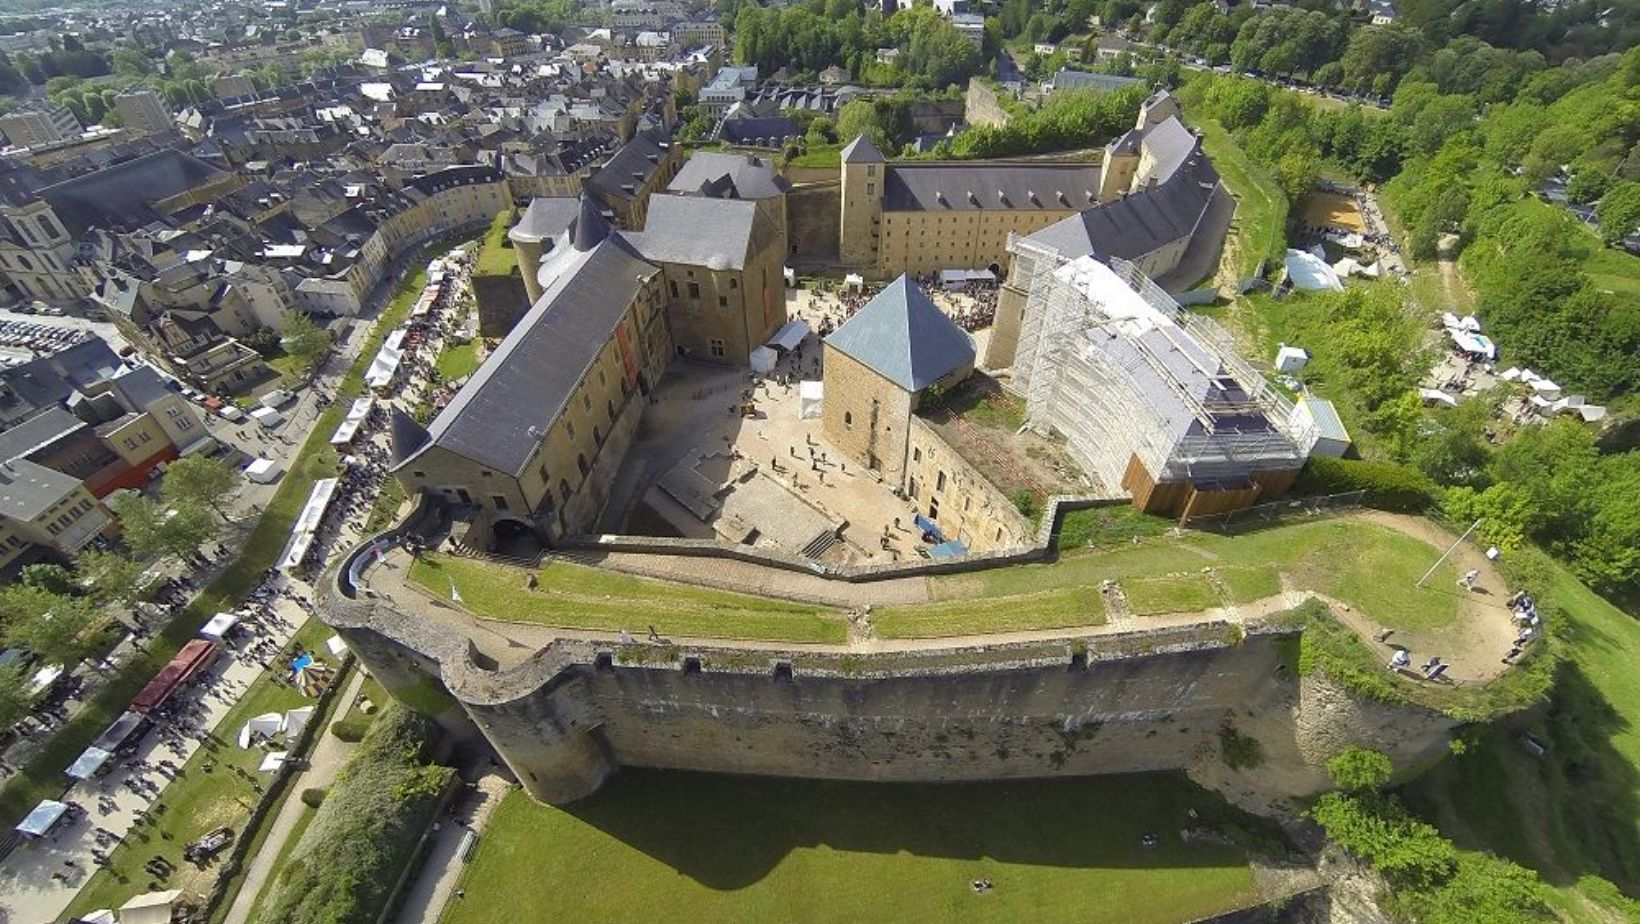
821,544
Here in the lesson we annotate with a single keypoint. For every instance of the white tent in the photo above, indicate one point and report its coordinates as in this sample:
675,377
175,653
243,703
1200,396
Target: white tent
262,471
1432,396
791,278
296,720
1473,343
1546,389
1291,359
791,335
307,525
152,908
273,761
356,416
386,363
1310,273
217,629
854,282
101,916
763,359
44,678
265,725
40,820
88,763
811,399
336,646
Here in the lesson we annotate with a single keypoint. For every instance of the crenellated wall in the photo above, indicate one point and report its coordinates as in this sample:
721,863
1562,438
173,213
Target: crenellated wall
574,712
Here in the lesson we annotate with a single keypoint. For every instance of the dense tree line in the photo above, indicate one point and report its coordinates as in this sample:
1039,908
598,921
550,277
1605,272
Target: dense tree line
816,34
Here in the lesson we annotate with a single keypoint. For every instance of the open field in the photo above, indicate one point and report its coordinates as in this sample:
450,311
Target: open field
458,361
657,845
577,597
1064,607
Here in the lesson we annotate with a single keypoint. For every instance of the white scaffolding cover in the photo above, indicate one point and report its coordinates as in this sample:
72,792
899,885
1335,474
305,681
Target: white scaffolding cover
307,525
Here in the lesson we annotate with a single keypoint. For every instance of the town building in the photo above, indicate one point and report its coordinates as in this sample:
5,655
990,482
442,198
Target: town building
38,122
144,110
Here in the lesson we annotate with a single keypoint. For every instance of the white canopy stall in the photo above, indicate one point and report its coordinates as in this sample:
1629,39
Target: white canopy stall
218,628
88,763
41,820
260,727
763,359
791,336
386,364
357,413
296,720
307,525
811,399
273,761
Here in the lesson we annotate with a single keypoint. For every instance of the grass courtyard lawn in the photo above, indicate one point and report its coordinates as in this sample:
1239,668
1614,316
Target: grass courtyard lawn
577,597
458,361
199,800
41,777
655,845
1179,593
1260,225
495,256
1053,609
820,155
1244,585
1368,566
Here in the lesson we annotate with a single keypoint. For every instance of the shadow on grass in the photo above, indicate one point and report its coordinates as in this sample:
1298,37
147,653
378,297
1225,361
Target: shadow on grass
729,832
1570,814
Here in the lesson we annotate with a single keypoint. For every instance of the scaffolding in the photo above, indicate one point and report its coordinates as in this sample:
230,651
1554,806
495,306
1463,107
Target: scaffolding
1110,362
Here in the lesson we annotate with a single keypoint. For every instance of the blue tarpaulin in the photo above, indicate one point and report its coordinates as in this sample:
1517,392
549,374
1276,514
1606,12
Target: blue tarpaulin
952,549
928,527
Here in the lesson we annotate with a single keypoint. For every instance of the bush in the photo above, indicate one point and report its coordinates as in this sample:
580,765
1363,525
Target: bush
1359,769
351,729
346,864
1389,485
1410,854
314,796
1025,502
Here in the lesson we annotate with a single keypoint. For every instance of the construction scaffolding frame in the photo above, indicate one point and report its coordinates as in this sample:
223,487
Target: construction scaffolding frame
1113,364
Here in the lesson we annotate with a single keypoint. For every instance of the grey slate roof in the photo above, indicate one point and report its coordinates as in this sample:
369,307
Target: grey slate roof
901,335
502,414
28,488
748,176
546,218
1169,144
630,166
40,430
932,187
119,197
51,379
714,233
862,151
405,436
1138,224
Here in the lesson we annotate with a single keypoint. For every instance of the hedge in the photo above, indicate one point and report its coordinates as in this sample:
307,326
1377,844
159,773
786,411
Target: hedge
1389,485
349,861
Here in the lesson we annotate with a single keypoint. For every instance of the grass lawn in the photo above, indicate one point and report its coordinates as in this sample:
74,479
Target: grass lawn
577,597
200,800
1370,567
495,256
1260,226
821,155
458,361
655,845
1576,813
1244,585
1064,607
42,777
1181,593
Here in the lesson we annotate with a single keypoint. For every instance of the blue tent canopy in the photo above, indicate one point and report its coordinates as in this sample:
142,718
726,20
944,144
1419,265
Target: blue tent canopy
928,527
952,549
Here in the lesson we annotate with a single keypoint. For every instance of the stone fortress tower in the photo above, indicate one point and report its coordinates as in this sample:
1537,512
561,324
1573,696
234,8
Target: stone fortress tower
865,174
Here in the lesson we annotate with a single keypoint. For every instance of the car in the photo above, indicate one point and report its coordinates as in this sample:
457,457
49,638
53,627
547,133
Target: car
279,397
230,413
267,417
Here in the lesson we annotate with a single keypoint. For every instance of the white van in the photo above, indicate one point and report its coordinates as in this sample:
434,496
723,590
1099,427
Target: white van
277,398
230,413
262,471
267,417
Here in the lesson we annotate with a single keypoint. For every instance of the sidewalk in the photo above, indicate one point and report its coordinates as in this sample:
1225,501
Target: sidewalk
426,896
323,764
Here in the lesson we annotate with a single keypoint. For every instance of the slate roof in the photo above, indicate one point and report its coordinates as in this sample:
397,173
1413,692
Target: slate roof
28,488
502,414
1138,224
38,383
861,151
40,430
901,335
546,218
119,197
714,233
932,187
632,165
748,176
1169,144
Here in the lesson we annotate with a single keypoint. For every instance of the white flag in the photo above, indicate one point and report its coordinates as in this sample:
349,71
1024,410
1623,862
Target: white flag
454,594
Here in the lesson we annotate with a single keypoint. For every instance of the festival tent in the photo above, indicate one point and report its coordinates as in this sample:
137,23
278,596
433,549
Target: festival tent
259,727
296,720
307,524
1310,273
44,678
386,363
1291,359
42,818
811,399
1474,344
357,413
956,278
88,763
1432,396
790,336
273,761
218,628
854,282
262,471
151,908
336,646
100,916
763,359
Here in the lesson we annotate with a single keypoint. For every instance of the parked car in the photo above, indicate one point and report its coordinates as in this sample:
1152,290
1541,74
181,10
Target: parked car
230,413
277,398
267,417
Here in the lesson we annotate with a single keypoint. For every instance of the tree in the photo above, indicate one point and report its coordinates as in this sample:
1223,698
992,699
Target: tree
304,340
200,480
1619,212
1356,769
164,531
49,577
112,576
859,117
15,699
50,625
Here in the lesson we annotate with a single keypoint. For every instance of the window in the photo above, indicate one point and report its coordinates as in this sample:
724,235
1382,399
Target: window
734,283
871,189
911,488
933,508
939,483
723,301
569,428
848,419
694,291
418,474
871,170
716,345
563,489
602,379
597,435
916,454
500,502
586,401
